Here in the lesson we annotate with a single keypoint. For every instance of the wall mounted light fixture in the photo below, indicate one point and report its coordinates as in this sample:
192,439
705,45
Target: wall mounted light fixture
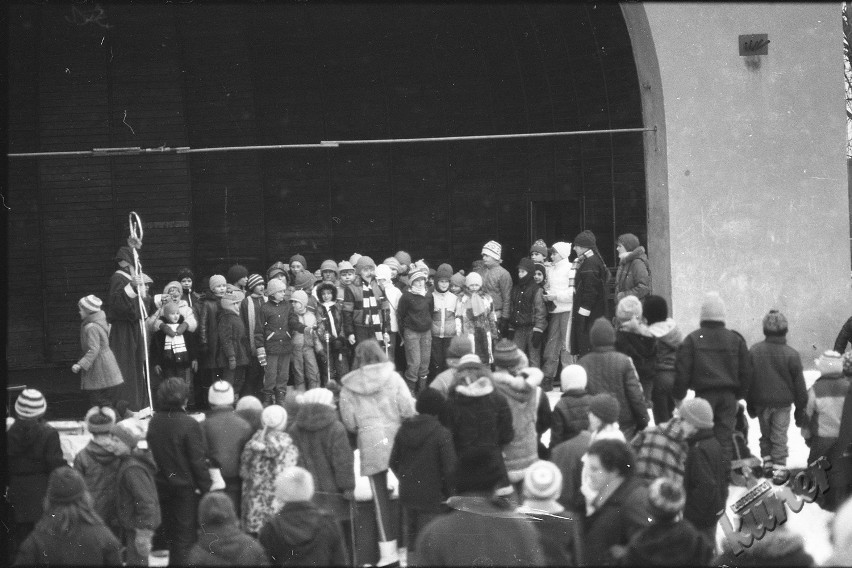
754,44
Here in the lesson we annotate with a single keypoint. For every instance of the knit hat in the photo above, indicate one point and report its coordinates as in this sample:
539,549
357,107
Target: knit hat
472,279
304,280
527,264
630,241
30,404
65,486
507,355
316,396
460,345
328,265
605,406
404,260
585,239
479,469
628,308
234,297
216,280
563,248
697,412
774,323
665,499
344,265
541,268
90,303
274,417
655,308
469,361
602,333
275,269
829,363
364,262
275,285
383,272
493,249
170,285
237,272
300,259
457,280
573,377
221,393
356,256
429,401
216,508
543,481
444,272
713,308
540,247
294,485
392,263
128,431
185,273
253,280
300,296
847,363
416,275
99,419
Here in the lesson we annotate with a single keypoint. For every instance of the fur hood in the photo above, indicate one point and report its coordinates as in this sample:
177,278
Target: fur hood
521,386
369,379
480,387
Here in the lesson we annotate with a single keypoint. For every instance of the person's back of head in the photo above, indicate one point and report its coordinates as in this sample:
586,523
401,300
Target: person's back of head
250,409
172,394
294,485
628,307
655,308
216,508
368,352
99,421
542,481
614,455
666,500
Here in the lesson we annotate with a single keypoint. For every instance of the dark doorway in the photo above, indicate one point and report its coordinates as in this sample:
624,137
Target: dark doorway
555,220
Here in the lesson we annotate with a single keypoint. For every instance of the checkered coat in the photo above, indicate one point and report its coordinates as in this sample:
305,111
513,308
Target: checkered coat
661,451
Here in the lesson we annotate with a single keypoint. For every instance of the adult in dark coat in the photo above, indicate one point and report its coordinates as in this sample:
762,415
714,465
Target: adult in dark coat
99,465
705,482
177,444
633,277
591,278
220,540
125,334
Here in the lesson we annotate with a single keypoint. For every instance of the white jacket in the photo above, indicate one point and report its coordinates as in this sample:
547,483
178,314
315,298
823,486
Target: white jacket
559,285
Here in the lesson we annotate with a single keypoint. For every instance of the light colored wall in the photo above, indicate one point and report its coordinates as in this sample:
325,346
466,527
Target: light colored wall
757,182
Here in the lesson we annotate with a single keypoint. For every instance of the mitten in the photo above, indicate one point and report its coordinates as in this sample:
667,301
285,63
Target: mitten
217,481
164,327
536,338
142,540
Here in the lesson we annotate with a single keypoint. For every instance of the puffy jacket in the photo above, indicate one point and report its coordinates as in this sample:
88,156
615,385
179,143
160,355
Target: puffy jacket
374,401
275,326
32,453
225,436
559,284
136,493
444,314
669,338
99,366
497,282
613,372
233,341
99,467
712,357
424,460
633,277
527,307
520,393
570,416
300,534
776,376
353,307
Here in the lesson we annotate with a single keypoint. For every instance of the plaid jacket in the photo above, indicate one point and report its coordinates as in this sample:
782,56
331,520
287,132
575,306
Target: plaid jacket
661,451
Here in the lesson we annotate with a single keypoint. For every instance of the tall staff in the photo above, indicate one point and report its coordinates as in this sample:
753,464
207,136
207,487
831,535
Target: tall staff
135,242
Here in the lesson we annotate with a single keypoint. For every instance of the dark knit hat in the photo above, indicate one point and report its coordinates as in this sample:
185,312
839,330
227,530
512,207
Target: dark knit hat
602,333
444,272
457,279
655,309
629,240
539,246
665,499
774,323
300,259
99,419
236,272
364,262
216,508
585,239
128,432
541,268
185,273
605,406
65,485
459,345
404,260
507,355
304,280
429,401
479,469
527,264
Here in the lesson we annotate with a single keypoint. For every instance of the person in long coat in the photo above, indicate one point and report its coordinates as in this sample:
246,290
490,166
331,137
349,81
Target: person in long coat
633,277
591,278
125,336
98,368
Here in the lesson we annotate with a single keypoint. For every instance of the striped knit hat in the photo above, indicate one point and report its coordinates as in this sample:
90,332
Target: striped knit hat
100,419
493,249
90,303
665,499
30,404
253,280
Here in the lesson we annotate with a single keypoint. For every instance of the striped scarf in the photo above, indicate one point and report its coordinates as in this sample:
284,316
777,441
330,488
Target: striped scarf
372,317
577,263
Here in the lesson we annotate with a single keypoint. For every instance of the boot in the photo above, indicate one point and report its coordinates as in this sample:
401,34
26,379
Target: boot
388,554
267,399
280,395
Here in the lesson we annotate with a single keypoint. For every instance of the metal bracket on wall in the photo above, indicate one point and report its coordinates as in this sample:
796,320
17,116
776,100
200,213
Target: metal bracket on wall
754,44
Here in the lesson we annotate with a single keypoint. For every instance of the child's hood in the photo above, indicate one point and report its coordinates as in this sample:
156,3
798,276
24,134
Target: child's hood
415,431
315,416
519,387
369,379
667,331
478,388
97,318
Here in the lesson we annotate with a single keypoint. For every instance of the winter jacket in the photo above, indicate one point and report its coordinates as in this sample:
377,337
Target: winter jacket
99,367
424,460
226,545
661,451
99,467
250,314
497,283
613,372
776,376
233,341
300,534
125,337
778,547
825,407
570,416
477,327
520,393
502,537
712,357
84,545
527,307
558,284
414,312
669,338
208,329
330,316
568,456
615,522
275,326
136,493
185,310
705,480
264,457
478,416
353,307
633,277
324,450
33,451
559,534
668,544
844,337
590,286
157,350
374,400
225,436
444,314
177,444
642,350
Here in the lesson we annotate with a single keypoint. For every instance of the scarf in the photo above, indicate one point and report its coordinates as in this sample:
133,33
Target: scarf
372,317
328,306
175,344
418,292
256,300
577,263
478,304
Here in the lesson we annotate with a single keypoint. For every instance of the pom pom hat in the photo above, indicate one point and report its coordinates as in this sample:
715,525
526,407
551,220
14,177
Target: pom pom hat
90,303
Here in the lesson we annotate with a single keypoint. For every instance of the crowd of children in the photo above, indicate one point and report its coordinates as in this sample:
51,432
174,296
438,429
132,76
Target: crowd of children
440,377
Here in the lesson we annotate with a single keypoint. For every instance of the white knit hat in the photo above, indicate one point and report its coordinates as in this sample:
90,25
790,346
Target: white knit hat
294,485
473,278
275,285
221,393
274,417
300,296
30,404
563,248
493,249
316,396
91,303
383,272
573,377
543,480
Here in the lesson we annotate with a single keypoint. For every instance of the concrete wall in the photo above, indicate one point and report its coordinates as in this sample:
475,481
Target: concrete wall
757,181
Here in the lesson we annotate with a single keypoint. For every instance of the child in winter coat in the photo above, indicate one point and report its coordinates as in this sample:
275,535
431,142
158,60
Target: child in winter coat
527,313
443,319
272,336
571,412
210,369
393,294
220,540
460,346
173,292
705,479
250,314
99,465
633,338
173,348
329,316
305,343
233,354
457,283
264,458
100,371
424,460
136,492
415,323
669,338
475,318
